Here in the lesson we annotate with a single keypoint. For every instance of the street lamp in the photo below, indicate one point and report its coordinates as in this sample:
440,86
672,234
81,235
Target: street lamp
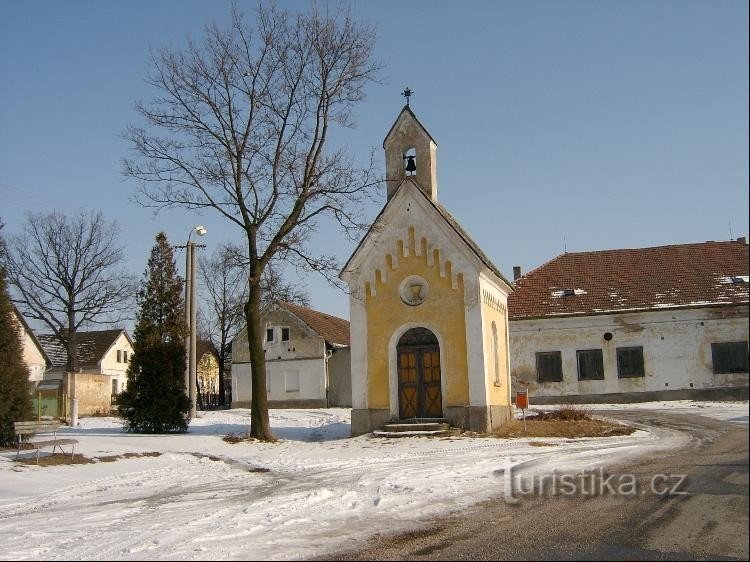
191,317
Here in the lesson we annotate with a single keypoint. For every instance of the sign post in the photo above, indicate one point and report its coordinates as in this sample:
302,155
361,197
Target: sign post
522,401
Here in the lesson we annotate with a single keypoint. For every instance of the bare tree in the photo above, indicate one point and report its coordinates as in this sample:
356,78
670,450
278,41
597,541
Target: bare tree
242,126
224,283
65,273
275,288
225,289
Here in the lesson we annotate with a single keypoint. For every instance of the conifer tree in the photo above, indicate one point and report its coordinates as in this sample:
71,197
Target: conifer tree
15,400
155,400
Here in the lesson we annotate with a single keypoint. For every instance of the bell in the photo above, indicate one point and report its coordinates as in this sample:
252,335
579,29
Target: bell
410,165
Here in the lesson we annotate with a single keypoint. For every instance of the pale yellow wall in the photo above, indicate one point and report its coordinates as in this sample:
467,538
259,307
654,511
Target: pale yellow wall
92,391
495,310
443,309
208,373
109,365
32,356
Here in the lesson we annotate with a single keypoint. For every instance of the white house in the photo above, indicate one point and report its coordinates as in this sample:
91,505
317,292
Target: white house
307,360
106,352
656,323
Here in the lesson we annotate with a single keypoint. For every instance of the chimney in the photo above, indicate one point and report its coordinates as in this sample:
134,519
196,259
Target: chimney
516,272
742,240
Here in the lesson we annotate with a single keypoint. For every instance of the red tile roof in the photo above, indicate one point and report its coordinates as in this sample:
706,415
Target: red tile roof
330,328
685,275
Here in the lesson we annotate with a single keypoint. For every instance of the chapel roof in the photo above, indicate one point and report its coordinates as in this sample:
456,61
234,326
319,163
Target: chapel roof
612,281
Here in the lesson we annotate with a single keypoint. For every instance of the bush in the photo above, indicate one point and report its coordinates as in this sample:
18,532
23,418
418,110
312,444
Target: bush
155,400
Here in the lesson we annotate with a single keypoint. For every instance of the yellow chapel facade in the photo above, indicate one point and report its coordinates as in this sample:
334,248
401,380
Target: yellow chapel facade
428,309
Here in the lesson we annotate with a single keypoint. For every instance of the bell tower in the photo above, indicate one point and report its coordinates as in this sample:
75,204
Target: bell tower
410,151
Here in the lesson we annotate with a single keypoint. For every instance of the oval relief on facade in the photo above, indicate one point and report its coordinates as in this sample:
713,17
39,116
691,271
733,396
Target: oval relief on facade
413,290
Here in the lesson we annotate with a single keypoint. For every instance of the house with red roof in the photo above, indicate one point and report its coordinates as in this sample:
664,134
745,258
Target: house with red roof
666,322
308,361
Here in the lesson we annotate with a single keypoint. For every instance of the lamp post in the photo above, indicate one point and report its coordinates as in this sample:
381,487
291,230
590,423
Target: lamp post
191,318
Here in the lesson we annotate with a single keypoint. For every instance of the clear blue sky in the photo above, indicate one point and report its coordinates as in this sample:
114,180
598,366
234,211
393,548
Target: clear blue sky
607,124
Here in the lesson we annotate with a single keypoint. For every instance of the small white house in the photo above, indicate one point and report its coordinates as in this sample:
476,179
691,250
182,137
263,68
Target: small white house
106,352
668,322
307,360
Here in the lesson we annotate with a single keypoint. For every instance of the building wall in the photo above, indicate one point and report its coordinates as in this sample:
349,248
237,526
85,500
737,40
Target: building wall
495,335
676,349
340,378
93,392
299,360
32,355
290,383
117,369
388,317
410,239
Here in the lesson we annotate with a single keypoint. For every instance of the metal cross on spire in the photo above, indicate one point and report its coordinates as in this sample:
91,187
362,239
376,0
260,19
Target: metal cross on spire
407,94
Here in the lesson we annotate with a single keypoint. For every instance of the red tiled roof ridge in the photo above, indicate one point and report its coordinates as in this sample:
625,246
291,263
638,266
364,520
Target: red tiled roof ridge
331,328
618,280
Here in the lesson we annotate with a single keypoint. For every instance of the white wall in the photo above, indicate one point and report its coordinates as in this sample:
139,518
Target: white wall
676,349
110,366
281,376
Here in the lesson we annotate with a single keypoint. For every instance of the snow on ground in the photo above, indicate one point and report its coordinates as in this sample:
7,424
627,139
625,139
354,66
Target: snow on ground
315,491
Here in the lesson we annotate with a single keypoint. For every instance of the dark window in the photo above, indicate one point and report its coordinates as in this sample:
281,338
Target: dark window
590,364
125,356
269,334
284,334
729,357
114,387
119,356
549,366
630,362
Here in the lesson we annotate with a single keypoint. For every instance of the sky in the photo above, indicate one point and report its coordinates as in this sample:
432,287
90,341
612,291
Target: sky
576,125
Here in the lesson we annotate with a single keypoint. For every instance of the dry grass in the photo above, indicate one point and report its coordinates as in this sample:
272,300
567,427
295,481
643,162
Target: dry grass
57,459
536,427
567,412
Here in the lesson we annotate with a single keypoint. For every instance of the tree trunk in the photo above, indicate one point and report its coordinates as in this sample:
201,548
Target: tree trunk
260,426
71,343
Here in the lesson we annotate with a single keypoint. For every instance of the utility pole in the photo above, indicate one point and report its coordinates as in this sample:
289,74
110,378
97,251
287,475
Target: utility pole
191,319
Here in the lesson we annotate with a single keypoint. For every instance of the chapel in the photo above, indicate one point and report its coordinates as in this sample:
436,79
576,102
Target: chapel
428,309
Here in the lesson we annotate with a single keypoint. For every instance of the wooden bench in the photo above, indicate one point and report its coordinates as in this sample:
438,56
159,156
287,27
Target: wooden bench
29,428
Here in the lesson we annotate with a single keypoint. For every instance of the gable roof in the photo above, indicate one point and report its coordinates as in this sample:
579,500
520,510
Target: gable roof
611,281
331,328
447,217
409,112
92,346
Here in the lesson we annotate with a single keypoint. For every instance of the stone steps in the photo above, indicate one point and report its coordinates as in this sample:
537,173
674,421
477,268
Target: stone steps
428,427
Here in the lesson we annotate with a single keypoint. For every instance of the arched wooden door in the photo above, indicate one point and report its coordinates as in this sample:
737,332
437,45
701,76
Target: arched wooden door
419,391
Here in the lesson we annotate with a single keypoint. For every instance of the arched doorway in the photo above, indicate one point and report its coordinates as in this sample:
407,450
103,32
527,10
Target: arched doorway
419,391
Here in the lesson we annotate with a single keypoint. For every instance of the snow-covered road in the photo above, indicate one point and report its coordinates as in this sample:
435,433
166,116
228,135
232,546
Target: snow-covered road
317,490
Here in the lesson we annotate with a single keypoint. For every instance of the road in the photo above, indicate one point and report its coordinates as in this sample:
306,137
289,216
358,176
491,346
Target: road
627,516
